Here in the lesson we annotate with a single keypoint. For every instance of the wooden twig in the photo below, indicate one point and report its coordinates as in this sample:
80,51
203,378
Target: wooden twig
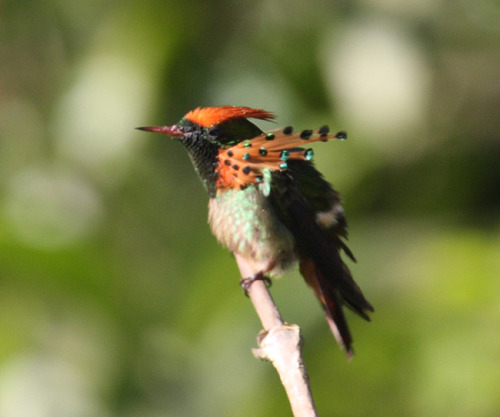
281,344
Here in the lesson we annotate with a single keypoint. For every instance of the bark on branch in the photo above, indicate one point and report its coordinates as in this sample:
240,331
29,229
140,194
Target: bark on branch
281,344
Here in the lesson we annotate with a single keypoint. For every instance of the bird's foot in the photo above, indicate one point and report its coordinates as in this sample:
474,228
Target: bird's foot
247,282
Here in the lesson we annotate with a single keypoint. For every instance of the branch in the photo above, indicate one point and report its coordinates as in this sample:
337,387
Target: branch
280,344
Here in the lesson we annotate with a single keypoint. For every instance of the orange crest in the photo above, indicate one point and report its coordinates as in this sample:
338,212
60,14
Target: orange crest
208,116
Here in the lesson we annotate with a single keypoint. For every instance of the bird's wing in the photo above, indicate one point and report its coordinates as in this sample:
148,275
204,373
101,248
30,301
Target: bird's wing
298,195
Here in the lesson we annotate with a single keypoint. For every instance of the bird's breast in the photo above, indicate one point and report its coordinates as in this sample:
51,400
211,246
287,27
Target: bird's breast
245,223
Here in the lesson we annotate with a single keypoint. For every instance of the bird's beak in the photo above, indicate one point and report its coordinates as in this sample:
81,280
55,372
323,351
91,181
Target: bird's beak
172,131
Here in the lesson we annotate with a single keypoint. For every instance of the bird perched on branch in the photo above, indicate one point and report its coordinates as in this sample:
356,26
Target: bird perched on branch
270,206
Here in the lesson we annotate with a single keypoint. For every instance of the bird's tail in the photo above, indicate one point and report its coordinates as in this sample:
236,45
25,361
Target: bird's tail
332,302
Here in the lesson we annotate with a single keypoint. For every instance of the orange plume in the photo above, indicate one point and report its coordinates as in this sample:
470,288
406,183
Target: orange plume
244,163
208,116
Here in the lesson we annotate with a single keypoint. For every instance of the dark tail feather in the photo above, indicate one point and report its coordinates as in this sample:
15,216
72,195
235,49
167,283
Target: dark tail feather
331,301
317,245
321,264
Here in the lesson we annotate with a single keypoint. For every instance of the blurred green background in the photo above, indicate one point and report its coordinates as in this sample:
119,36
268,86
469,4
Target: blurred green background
115,299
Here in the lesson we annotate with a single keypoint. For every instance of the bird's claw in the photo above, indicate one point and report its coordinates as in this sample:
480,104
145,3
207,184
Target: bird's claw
247,282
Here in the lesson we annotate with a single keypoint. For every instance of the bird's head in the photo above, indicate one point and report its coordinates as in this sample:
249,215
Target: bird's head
214,126
206,131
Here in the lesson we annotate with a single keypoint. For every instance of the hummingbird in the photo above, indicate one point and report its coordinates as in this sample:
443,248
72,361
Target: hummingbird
270,206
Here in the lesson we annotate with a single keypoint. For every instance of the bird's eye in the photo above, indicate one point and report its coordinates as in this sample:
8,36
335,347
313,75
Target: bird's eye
214,131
